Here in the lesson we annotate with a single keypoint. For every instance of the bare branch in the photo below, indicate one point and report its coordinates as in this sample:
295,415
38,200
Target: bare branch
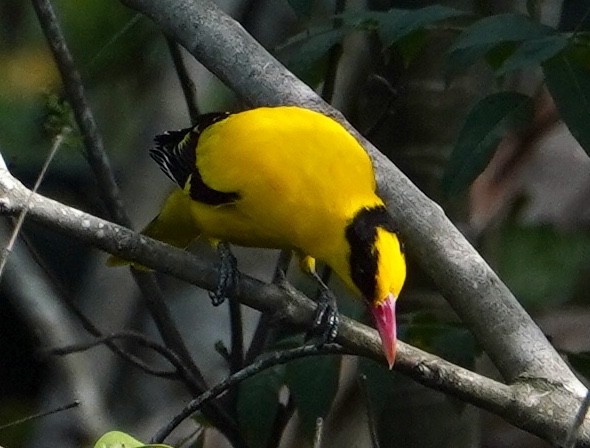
95,152
237,336
192,376
508,334
167,328
6,251
110,195
545,410
71,405
89,326
319,432
135,337
186,83
266,361
36,300
371,421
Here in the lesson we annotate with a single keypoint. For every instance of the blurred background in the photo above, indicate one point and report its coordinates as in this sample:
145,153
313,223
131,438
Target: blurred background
528,213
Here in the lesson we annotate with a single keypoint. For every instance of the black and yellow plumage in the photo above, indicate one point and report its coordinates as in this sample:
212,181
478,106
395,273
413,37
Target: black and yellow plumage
287,178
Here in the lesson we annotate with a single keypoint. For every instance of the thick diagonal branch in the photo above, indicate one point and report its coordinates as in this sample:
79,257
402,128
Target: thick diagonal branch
542,409
507,333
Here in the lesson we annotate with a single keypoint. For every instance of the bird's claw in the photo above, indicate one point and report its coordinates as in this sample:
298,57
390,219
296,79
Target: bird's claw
228,275
325,324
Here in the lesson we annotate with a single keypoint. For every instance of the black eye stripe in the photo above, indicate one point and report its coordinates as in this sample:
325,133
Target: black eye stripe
361,234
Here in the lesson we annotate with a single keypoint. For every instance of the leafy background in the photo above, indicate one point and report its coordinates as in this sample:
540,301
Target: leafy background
454,96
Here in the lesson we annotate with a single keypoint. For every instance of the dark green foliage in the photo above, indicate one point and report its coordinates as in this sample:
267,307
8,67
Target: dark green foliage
449,340
258,403
553,262
487,123
313,382
568,81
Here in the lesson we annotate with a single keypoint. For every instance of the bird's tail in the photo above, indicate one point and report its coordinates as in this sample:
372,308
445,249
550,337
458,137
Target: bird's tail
174,225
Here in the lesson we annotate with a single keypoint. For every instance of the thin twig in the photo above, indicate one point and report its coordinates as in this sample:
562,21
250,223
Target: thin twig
57,142
393,95
194,379
72,81
186,83
260,338
110,195
167,327
88,325
319,430
113,40
236,357
325,278
462,276
71,405
132,336
283,417
66,296
549,416
189,91
282,266
265,362
371,421
333,57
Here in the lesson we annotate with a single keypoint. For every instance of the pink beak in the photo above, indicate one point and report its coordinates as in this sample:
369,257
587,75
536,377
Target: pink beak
384,315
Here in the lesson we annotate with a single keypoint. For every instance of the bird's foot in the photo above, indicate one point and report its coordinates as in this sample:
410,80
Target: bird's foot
228,275
325,323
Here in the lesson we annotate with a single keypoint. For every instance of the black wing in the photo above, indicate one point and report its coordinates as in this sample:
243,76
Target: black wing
175,153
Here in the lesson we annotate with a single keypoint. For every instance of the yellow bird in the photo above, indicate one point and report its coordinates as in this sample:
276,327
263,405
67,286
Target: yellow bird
285,178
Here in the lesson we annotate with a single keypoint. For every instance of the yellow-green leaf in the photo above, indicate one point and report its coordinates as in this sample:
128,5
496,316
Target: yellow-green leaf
118,439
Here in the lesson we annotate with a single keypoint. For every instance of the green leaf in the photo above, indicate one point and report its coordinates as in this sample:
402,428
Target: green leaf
302,8
539,264
462,59
304,53
313,382
396,24
486,124
258,403
361,19
493,35
411,45
568,82
117,439
495,30
533,52
497,55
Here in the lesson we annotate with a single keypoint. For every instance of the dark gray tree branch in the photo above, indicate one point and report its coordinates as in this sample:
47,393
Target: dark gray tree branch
547,410
109,191
266,361
75,91
509,336
140,340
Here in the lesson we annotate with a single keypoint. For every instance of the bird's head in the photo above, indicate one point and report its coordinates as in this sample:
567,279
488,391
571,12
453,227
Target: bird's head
378,270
